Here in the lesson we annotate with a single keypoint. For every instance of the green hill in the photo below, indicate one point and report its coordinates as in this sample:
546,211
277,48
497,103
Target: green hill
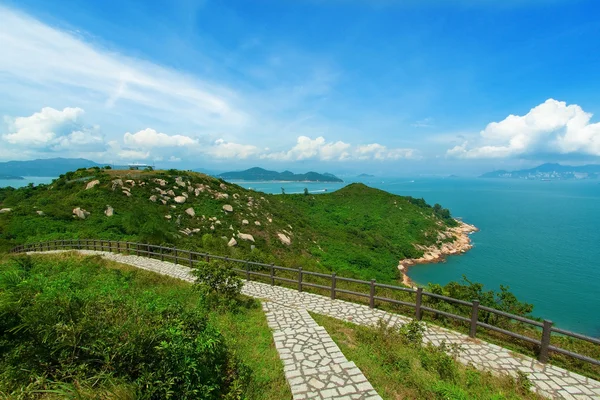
357,230
259,174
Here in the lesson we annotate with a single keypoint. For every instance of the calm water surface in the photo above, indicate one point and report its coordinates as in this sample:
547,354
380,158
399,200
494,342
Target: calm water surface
540,238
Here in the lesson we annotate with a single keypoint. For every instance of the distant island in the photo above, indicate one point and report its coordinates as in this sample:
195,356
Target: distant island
260,174
366,176
547,172
11,178
44,167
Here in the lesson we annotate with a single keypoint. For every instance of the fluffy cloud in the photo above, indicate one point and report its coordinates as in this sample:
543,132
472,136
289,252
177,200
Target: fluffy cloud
551,127
223,149
319,149
149,138
53,130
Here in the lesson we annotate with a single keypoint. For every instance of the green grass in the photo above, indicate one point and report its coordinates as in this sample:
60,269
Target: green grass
399,367
84,327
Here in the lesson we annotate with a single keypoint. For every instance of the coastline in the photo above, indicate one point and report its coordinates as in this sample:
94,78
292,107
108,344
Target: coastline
434,254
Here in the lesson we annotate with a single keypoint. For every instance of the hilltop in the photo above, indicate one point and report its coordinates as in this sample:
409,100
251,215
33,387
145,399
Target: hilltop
260,174
549,171
357,229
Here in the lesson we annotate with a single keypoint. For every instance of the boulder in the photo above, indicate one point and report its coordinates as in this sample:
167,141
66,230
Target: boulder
92,184
190,211
168,216
228,208
171,193
39,212
80,213
244,222
257,223
109,212
179,181
212,227
161,182
180,199
232,242
246,236
163,201
5,210
219,196
130,182
284,239
127,193
116,183
153,198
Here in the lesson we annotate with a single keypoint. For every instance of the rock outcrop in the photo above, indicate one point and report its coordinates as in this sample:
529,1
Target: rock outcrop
5,210
190,211
180,199
92,184
80,213
246,236
109,212
232,242
284,238
228,208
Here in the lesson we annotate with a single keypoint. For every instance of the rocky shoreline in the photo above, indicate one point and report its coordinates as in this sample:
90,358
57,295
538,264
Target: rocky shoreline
438,253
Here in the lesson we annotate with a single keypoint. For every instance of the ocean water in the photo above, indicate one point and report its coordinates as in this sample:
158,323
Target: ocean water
542,239
36,180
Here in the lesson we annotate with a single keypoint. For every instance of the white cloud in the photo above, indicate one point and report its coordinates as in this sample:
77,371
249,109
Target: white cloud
53,130
149,138
424,123
38,58
551,127
223,149
320,149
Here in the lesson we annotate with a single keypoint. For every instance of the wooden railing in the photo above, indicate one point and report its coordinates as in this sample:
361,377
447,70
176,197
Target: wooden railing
189,258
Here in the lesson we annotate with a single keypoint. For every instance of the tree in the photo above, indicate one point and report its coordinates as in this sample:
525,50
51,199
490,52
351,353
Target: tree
306,191
282,190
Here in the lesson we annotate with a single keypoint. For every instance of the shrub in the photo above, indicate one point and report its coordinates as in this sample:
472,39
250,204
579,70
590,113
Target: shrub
217,281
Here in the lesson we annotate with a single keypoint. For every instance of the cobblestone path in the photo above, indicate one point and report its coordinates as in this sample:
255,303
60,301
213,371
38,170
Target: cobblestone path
288,306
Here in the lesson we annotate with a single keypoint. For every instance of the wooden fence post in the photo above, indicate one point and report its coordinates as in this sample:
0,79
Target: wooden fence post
547,330
474,318
372,294
175,254
272,274
333,282
162,253
247,271
300,279
191,263
419,301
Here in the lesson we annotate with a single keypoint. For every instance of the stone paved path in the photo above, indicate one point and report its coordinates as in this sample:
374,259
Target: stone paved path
313,364
549,381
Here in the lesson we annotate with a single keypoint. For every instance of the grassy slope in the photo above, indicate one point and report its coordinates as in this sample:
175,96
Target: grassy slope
358,230
148,296
399,370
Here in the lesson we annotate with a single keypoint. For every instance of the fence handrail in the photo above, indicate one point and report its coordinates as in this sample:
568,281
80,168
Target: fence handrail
187,257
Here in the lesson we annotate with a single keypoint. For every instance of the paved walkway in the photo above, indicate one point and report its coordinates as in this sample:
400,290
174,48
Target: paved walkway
288,306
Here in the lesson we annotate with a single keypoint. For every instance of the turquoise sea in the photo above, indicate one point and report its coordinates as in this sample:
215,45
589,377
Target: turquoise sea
540,238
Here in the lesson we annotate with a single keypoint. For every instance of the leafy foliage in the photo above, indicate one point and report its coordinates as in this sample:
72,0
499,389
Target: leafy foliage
73,322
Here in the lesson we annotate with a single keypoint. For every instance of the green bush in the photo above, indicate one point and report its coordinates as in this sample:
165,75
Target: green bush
217,281
73,322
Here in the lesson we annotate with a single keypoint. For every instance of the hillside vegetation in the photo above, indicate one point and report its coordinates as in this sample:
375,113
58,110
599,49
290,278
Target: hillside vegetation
83,327
357,230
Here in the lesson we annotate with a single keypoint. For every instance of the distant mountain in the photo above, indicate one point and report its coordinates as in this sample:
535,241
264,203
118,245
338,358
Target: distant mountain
11,178
259,174
45,167
366,176
549,172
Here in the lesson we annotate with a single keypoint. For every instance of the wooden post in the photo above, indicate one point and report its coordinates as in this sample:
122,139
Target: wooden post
372,294
419,301
272,274
333,282
162,253
191,263
300,279
547,330
247,271
175,252
474,318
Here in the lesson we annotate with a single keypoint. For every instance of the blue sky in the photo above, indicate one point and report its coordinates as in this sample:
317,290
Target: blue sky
429,86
